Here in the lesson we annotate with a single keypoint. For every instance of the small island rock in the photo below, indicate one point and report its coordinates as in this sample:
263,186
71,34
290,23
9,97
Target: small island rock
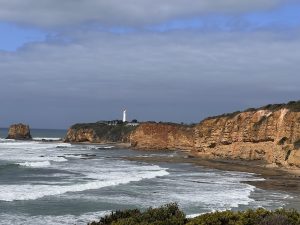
19,132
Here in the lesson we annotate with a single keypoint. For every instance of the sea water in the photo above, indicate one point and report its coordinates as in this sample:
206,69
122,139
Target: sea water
61,183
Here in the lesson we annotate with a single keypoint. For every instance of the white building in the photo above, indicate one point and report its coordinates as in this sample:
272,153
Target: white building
124,116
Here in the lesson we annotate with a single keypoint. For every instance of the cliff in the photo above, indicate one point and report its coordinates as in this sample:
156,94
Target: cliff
19,132
160,136
98,133
270,133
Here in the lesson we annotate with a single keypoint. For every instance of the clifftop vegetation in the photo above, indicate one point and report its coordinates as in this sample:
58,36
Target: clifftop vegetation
292,106
96,132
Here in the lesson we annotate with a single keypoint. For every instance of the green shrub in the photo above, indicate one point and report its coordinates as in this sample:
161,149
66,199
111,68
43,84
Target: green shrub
275,219
170,214
249,217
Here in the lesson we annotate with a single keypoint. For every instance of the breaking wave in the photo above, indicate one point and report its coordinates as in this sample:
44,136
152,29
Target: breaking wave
35,164
32,192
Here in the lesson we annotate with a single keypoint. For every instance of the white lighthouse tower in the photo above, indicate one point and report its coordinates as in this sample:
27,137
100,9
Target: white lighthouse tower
124,116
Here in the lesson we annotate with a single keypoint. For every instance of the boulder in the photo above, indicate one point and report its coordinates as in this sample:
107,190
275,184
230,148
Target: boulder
19,132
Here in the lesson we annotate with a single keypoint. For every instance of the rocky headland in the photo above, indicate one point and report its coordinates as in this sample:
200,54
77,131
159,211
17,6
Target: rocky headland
19,132
270,134
99,133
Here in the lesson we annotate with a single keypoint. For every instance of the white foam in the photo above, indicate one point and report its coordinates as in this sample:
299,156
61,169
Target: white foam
79,156
31,192
190,216
197,188
35,164
59,159
105,147
221,198
3,140
31,151
46,138
68,219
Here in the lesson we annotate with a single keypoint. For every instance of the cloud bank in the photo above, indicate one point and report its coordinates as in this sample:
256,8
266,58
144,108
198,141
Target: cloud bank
170,76
55,13
153,57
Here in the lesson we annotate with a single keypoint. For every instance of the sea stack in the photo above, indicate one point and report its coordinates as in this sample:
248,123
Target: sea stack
19,132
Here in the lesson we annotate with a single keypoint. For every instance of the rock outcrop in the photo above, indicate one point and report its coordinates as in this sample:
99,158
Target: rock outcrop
98,133
19,132
270,133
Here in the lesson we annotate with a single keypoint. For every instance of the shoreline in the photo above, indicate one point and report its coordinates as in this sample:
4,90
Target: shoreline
278,179
275,178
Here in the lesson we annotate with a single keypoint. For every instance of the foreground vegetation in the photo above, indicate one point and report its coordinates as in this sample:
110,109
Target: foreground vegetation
170,214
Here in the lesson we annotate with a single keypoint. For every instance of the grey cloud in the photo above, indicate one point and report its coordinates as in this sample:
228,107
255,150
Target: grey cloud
53,13
171,76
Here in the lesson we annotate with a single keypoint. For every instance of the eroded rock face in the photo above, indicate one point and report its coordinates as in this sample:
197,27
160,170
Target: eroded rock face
271,134
257,135
81,135
160,136
19,132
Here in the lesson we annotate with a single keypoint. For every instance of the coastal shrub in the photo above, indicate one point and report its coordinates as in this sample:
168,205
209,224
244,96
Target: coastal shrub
275,219
249,217
293,106
292,215
118,215
170,214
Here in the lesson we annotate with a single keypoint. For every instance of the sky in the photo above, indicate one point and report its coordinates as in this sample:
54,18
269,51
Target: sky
70,61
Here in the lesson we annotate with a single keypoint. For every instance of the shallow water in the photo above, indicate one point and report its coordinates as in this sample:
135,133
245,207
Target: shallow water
65,184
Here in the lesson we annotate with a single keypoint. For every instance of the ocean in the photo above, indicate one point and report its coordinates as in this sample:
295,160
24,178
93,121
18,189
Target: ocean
62,183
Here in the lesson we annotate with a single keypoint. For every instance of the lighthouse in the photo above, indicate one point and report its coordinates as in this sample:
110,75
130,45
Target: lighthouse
124,116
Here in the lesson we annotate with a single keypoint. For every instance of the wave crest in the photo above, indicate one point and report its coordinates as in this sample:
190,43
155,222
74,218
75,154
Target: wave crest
32,192
35,164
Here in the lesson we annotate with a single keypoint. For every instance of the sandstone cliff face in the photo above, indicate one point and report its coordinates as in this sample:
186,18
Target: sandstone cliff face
159,136
271,134
98,133
259,135
19,132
